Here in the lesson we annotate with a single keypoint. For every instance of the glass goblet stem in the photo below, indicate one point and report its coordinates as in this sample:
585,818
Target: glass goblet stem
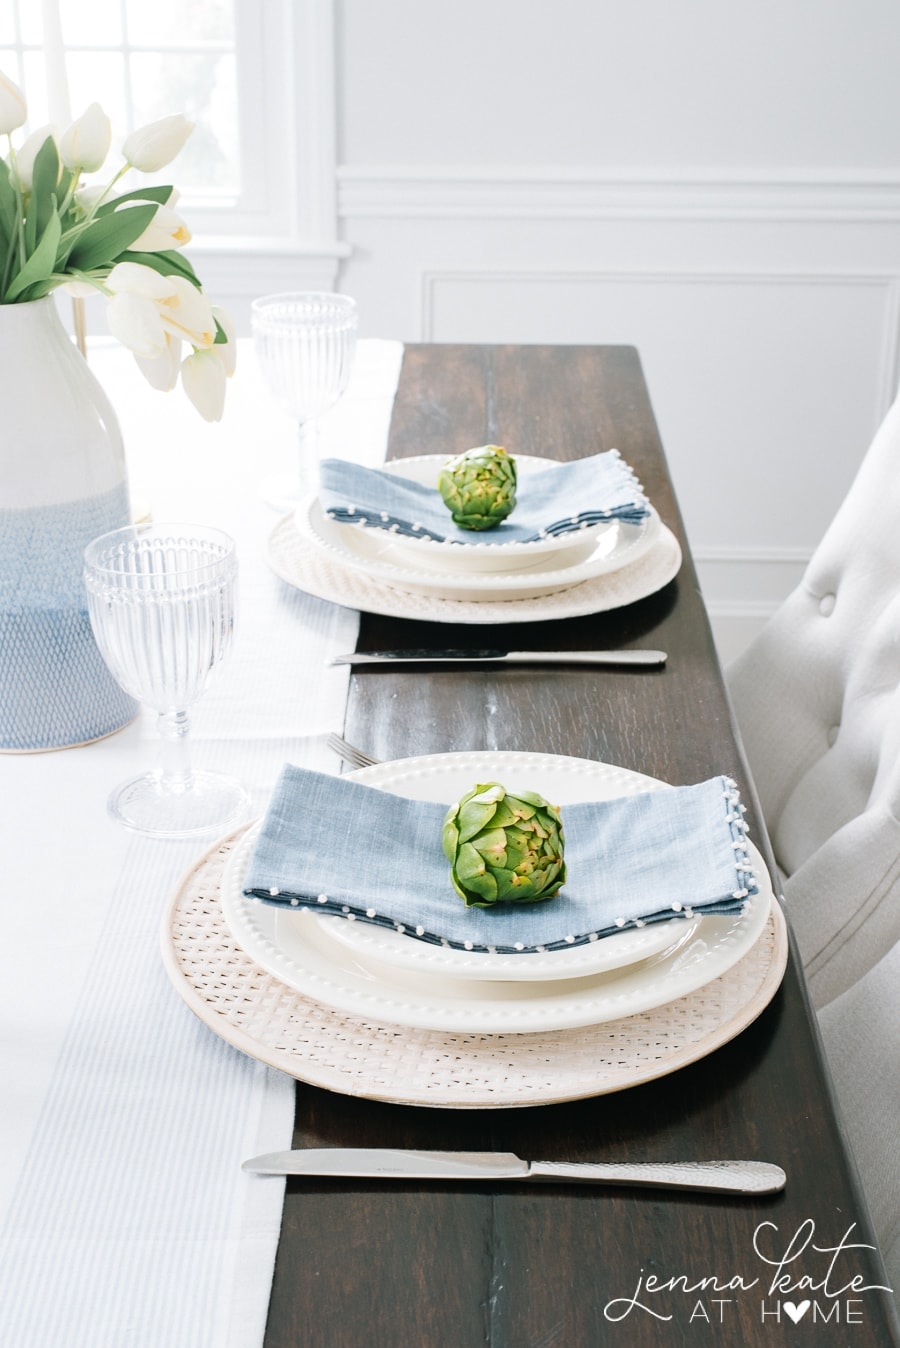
175,751
308,457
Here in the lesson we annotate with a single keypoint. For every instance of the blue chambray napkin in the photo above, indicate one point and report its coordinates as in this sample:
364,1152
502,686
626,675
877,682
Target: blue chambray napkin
337,846
550,502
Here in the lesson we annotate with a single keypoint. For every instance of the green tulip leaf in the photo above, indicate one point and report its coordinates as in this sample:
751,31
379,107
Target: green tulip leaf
39,266
9,199
167,262
158,194
44,185
108,236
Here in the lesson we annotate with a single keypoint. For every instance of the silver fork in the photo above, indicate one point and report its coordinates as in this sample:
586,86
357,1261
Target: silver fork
350,754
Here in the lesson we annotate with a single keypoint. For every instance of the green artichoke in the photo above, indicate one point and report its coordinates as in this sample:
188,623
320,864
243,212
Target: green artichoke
503,847
479,487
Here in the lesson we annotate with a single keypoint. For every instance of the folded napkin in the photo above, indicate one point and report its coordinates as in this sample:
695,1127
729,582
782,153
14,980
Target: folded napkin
552,501
335,845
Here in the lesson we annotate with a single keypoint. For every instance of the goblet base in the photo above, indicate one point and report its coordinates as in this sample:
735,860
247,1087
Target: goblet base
283,491
152,804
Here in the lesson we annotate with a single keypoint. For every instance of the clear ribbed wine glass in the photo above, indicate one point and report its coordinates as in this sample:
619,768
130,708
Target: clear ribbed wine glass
161,600
305,342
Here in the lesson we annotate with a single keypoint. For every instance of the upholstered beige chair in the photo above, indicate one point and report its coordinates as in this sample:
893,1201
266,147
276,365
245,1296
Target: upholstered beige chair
817,698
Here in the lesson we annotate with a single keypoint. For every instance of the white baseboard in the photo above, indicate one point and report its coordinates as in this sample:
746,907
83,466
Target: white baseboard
734,628
743,587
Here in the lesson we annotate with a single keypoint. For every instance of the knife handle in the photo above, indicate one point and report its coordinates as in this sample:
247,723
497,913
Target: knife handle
635,656
746,1177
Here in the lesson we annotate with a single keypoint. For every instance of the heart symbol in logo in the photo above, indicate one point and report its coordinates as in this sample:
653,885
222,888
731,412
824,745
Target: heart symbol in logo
796,1312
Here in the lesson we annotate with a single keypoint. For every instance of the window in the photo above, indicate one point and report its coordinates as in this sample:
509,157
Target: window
255,75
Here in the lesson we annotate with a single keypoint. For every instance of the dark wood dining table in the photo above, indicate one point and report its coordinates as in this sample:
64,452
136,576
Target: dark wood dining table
449,1265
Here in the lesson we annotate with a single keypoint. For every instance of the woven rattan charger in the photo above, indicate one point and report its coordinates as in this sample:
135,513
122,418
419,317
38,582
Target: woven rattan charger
265,1018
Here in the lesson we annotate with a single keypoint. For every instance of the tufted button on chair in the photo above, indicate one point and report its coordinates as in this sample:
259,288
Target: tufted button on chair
817,699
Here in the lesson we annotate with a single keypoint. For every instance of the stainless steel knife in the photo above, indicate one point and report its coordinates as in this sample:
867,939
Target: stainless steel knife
422,657
743,1177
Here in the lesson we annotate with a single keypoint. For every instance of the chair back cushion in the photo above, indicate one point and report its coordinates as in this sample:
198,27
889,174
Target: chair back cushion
817,701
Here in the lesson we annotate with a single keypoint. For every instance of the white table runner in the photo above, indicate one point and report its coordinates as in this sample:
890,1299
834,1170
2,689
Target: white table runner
127,1217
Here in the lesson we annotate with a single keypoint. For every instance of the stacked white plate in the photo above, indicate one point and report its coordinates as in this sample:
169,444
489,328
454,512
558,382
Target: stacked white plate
368,970
475,571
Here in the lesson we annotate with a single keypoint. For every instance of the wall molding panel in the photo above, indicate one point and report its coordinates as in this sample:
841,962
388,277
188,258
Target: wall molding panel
507,191
433,280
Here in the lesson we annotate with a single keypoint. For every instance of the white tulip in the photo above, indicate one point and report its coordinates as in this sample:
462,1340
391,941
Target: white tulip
28,152
13,110
166,230
88,198
162,371
134,321
147,308
85,144
203,378
153,146
188,314
138,279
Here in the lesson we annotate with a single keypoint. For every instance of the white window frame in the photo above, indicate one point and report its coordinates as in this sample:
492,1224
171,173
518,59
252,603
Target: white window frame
282,232
287,92
290,241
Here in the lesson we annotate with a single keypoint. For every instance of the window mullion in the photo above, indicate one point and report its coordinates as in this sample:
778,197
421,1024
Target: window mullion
57,82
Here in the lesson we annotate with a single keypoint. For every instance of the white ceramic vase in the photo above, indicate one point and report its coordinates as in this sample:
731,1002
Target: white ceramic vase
63,482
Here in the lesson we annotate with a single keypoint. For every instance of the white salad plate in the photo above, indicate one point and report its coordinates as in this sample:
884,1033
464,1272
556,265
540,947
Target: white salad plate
377,554
480,554
370,941
299,949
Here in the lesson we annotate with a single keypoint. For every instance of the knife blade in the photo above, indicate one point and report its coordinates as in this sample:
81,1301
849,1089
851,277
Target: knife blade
423,657
745,1177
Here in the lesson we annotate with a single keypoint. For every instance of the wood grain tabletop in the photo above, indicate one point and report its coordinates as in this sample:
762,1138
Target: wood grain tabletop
443,1265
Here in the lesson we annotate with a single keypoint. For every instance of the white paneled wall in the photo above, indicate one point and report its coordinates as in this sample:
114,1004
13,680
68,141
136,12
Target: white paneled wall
716,184
768,375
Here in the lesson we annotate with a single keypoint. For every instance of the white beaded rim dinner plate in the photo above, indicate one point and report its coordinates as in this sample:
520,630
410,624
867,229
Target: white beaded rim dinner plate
257,1014
304,957
302,564
374,942
377,554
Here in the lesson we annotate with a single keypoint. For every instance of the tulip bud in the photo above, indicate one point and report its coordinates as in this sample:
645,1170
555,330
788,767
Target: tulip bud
85,144
12,106
153,146
89,197
203,379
